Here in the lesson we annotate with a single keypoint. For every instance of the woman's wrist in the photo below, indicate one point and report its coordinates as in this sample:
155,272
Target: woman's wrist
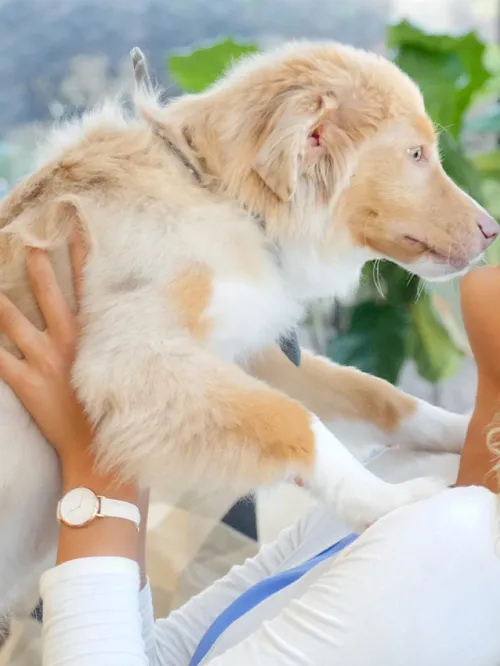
103,536
79,470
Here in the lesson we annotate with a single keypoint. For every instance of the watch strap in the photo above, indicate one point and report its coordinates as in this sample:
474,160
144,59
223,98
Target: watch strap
112,508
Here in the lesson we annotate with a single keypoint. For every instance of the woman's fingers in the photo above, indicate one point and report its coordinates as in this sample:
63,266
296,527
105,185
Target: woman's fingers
78,255
20,331
55,309
12,370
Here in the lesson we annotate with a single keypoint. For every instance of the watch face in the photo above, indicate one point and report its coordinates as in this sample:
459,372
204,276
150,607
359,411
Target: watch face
78,507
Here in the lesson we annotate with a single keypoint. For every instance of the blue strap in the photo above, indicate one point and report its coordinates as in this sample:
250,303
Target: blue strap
257,593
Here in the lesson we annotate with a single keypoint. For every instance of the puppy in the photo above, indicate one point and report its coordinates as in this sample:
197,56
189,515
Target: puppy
212,223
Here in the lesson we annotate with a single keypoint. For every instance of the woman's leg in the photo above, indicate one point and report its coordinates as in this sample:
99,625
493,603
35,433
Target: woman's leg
419,588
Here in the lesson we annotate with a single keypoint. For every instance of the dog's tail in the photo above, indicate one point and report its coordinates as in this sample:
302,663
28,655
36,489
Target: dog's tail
141,74
146,93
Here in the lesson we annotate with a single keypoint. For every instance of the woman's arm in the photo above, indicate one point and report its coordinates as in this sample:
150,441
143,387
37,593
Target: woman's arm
42,381
92,608
173,640
91,603
480,294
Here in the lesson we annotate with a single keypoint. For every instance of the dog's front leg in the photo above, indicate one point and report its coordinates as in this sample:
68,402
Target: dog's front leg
167,410
355,404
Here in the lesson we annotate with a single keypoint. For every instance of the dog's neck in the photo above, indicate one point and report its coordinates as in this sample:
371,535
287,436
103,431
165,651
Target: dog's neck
195,168
181,156
204,152
309,276
289,341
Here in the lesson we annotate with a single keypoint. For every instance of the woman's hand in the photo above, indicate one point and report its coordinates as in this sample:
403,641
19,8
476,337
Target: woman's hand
42,379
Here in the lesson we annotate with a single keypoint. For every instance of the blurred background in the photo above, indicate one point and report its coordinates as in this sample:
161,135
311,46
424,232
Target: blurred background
57,57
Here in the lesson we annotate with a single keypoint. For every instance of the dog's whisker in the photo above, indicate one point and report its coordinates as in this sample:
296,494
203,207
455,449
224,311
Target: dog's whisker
377,281
421,287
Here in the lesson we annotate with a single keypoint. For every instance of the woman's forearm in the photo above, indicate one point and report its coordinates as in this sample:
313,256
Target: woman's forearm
103,536
477,461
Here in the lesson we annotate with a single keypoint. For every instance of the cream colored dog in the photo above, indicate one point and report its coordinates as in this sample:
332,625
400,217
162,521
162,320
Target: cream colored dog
212,223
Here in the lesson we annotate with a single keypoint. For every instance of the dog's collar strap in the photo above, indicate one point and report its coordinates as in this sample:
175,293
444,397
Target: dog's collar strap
289,344
182,158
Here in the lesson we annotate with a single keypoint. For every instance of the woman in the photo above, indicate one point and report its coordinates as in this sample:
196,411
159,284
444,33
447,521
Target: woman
421,586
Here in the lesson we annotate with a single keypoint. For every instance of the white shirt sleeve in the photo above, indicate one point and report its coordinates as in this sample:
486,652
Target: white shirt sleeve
91,614
94,613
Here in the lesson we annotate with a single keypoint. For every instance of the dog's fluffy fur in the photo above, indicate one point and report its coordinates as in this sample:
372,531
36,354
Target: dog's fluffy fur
311,165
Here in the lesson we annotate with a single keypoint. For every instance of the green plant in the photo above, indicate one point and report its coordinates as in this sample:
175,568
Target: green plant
389,323
487,125
197,69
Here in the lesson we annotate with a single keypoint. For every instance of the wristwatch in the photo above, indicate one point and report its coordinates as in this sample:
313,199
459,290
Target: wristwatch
81,506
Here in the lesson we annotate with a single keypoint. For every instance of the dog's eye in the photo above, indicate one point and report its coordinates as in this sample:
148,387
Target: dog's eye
416,153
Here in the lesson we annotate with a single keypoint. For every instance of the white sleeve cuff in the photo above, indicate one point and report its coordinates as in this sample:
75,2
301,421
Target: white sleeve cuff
88,566
91,613
148,622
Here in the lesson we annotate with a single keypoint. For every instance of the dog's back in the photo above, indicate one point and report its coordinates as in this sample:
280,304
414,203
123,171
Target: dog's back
146,221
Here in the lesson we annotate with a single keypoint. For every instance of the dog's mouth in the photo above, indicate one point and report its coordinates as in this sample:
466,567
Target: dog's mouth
425,248
456,261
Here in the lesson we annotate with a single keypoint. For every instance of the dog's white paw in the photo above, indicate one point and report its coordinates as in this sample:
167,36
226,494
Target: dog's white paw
432,428
394,496
418,489
353,493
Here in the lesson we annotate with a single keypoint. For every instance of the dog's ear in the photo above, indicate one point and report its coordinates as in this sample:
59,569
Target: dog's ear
289,137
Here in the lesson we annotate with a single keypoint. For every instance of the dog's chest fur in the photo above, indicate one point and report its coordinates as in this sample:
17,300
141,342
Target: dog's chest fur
248,314
224,283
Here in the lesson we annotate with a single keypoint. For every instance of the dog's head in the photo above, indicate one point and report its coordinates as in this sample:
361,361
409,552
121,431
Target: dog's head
327,142
401,204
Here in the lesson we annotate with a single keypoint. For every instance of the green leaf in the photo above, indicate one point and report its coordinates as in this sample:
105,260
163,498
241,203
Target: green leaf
198,69
491,90
488,164
459,167
396,285
448,69
375,341
435,353
388,283
491,188
493,254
